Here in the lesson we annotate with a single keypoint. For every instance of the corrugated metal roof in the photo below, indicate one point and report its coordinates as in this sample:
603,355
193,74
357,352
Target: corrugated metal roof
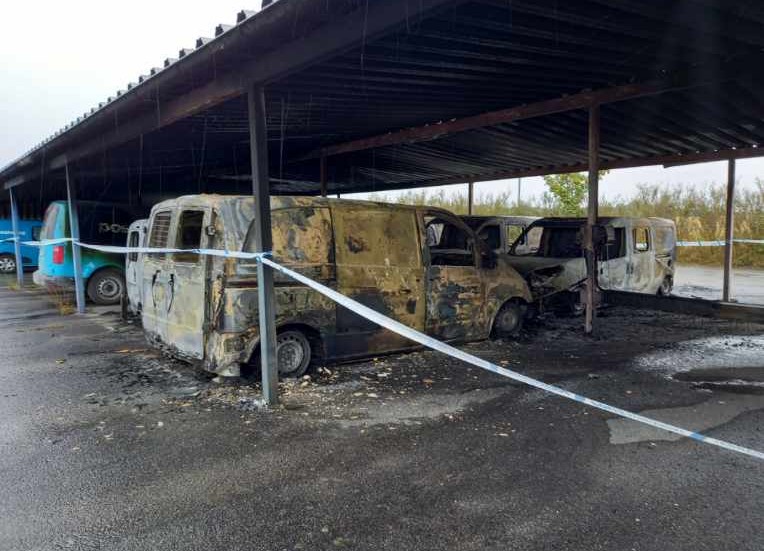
463,59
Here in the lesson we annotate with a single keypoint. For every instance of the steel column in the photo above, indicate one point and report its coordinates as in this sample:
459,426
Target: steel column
592,213
470,197
74,233
17,240
258,147
729,233
324,189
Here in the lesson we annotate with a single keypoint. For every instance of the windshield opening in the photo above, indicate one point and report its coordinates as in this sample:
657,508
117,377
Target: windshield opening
549,242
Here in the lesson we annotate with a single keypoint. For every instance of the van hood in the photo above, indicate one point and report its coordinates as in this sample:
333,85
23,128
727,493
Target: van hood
528,264
547,276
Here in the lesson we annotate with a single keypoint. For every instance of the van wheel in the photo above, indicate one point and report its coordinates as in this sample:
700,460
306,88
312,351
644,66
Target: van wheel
7,264
666,286
293,353
105,287
509,320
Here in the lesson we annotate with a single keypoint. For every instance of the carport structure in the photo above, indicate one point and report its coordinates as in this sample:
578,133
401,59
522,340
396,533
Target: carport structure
340,96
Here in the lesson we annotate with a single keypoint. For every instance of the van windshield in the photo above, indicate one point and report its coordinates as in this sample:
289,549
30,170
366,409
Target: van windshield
549,242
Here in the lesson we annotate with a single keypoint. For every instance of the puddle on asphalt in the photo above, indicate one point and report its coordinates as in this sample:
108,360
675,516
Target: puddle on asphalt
714,412
705,353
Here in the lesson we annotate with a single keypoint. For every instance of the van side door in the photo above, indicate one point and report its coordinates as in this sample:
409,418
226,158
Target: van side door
455,289
379,264
187,282
614,262
641,264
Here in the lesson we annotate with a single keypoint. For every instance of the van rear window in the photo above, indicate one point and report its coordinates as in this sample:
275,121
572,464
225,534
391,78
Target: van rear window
160,232
49,222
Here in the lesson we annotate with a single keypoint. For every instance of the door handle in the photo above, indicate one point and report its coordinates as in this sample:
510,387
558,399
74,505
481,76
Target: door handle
153,284
171,286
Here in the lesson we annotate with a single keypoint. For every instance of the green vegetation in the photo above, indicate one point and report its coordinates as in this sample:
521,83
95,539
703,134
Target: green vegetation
568,191
697,211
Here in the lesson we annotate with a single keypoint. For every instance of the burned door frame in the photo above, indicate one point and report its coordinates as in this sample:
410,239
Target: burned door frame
615,267
641,263
187,309
154,275
455,293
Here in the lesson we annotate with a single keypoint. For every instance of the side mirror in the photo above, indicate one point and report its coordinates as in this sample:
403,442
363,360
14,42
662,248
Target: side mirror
210,230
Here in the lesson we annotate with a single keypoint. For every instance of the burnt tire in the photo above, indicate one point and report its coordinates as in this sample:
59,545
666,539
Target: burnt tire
105,287
509,320
667,285
293,353
7,263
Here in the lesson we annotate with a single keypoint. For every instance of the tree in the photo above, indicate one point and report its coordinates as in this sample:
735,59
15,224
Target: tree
569,191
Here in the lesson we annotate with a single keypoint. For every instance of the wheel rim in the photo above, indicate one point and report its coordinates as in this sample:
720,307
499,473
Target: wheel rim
109,288
7,264
291,353
509,319
666,287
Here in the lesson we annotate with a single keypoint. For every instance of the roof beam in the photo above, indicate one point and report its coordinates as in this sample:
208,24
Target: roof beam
666,160
572,102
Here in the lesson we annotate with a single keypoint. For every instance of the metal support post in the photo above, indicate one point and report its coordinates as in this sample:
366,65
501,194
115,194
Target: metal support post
74,233
470,197
17,240
324,189
258,147
729,233
592,213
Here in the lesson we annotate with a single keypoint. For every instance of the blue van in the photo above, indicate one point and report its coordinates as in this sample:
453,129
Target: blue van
30,231
100,224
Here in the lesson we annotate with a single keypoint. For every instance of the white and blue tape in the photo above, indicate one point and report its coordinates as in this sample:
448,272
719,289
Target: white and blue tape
435,344
717,243
425,340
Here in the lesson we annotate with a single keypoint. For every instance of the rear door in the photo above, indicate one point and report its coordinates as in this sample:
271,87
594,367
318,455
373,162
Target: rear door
186,285
156,271
378,257
455,290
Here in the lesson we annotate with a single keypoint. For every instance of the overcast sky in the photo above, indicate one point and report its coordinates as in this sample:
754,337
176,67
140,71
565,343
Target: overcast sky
59,59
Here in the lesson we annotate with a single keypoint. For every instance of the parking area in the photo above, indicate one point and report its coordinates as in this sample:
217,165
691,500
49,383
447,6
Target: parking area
105,444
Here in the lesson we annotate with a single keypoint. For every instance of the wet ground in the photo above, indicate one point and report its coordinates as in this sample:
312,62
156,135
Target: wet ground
105,444
706,282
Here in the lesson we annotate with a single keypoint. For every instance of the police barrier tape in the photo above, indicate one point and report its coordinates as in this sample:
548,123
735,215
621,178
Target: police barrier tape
717,243
46,242
427,341
454,352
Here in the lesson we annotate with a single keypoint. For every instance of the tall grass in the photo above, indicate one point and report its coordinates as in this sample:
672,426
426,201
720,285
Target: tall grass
697,211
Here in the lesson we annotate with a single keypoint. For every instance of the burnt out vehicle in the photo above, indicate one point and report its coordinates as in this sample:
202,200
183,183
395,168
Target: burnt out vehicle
421,266
638,255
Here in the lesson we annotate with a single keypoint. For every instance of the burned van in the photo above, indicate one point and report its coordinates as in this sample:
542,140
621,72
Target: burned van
421,266
638,255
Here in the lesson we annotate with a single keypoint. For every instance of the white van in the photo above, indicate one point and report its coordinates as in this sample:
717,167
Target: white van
639,257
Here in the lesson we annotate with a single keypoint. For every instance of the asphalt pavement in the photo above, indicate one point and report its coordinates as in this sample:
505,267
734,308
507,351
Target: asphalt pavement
105,444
